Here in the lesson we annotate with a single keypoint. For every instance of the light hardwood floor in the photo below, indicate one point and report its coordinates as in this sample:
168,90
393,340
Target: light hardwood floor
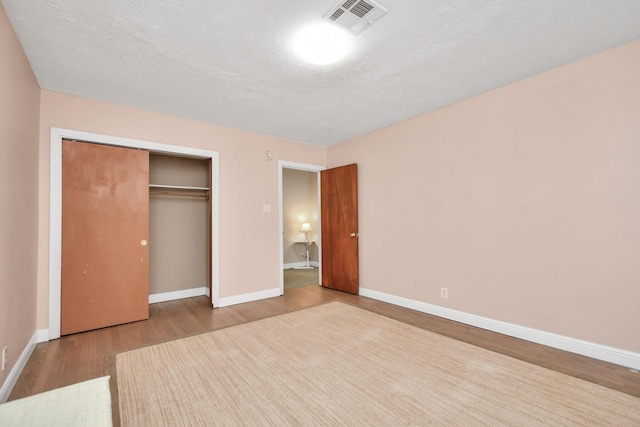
83,356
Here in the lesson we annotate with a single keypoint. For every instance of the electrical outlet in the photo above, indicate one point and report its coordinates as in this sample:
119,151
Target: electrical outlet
4,356
444,293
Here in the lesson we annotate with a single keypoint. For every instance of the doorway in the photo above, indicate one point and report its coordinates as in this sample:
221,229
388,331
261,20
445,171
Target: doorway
55,224
300,228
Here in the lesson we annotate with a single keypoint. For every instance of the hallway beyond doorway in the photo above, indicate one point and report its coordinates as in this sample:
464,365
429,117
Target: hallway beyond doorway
300,277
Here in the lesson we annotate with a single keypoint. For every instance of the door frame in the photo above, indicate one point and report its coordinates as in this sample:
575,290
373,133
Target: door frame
55,206
283,164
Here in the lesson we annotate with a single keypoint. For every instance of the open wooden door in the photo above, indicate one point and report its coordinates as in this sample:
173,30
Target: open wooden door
105,227
339,199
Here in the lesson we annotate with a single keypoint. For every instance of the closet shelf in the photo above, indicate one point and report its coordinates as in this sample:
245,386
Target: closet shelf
177,187
178,190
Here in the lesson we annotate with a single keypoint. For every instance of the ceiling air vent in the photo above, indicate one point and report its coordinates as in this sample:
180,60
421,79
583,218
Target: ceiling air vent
355,15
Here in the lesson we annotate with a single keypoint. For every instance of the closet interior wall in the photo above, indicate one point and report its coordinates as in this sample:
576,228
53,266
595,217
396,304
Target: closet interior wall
179,248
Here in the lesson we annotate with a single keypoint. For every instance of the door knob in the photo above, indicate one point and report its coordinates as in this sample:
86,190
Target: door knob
352,235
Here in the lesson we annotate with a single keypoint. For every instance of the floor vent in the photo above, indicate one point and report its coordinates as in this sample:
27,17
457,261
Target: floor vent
355,15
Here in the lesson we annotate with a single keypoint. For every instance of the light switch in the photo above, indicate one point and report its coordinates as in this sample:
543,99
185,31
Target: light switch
266,208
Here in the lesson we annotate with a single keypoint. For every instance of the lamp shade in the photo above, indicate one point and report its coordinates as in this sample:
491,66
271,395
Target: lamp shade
305,227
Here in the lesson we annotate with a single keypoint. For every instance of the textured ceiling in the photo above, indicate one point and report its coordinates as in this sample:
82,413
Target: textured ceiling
230,62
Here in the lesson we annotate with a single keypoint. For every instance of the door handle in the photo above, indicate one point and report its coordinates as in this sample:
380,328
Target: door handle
352,235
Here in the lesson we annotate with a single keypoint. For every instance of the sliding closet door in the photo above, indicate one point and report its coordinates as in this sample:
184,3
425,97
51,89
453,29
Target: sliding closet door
105,226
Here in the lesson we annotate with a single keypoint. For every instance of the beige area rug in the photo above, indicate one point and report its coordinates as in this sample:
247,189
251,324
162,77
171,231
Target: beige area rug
84,404
339,365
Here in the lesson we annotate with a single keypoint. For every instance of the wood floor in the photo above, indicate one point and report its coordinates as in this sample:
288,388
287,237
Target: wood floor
83,356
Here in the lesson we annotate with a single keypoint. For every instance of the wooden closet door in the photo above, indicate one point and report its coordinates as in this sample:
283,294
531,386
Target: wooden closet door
105,227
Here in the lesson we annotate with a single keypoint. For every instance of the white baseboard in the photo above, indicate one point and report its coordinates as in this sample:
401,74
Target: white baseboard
185,293
12,378
300,264
253,296
42,335
573,345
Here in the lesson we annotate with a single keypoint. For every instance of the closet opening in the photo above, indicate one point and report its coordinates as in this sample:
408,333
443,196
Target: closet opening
179,226
183,213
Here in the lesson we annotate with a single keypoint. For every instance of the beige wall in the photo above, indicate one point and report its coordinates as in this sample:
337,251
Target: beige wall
246,182
19,110
299,204
524,202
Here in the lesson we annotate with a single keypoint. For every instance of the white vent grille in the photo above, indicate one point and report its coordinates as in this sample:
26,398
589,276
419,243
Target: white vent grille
355,15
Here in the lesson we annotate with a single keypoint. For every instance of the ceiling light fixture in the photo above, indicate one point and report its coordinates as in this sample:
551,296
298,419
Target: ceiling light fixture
322,43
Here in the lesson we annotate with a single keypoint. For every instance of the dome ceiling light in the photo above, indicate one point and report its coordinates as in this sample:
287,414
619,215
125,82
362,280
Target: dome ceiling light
322,44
